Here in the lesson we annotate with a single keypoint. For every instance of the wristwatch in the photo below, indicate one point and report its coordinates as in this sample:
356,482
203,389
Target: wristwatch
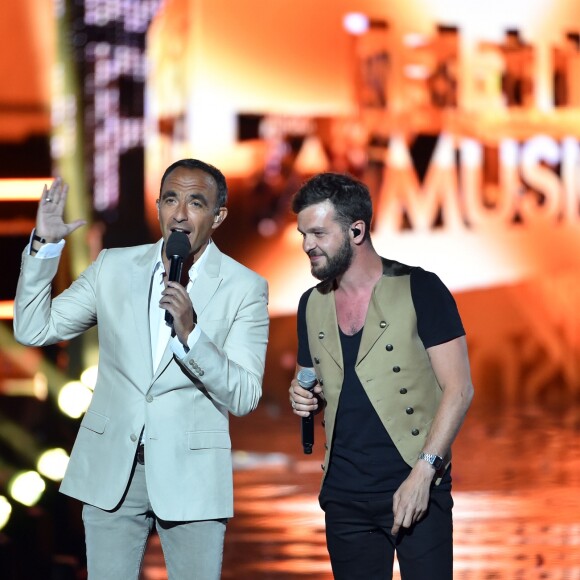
434,460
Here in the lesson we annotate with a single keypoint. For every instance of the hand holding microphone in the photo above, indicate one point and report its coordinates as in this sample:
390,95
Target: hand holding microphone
307,380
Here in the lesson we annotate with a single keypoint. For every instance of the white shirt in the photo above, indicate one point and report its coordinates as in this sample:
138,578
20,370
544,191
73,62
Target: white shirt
160,332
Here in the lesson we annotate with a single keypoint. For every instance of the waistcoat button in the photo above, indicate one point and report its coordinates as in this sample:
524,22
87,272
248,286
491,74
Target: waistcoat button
396,369
389,347
382,324
317,360
415,432
403,391
409,410
321,335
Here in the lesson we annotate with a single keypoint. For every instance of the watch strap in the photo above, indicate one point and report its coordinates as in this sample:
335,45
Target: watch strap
36,238
435,460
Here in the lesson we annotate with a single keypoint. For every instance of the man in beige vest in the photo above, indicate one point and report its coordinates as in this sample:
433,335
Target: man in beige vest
153,449
388,348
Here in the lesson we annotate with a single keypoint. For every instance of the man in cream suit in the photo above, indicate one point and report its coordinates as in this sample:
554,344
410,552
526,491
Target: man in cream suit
153,449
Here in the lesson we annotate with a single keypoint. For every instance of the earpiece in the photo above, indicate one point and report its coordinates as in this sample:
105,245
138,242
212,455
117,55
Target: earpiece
355,232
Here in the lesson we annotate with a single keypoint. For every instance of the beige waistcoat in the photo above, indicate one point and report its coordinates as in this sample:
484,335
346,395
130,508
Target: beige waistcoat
392,363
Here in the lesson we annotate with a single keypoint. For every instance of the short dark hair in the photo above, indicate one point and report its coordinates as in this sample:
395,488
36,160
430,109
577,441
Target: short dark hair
350,198
218,176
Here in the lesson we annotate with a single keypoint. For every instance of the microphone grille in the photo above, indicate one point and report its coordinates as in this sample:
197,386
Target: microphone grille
178,245
306,378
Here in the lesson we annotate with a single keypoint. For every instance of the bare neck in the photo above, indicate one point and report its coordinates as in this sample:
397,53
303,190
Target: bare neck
363,273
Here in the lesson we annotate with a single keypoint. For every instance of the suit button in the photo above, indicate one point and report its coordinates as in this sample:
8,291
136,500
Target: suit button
191,363
201,373
133,437
415,432
382,324
409,410
403,391
396,369
389,347
149,398
321,335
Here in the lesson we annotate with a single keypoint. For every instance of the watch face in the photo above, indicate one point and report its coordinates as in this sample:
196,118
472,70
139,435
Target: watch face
437,462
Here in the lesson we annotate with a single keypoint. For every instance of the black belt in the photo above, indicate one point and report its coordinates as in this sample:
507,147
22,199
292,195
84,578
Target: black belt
140,457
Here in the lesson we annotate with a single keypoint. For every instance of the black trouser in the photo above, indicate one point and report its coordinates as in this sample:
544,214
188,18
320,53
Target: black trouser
360,544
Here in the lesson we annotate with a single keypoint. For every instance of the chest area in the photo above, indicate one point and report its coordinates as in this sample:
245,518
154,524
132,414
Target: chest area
351,311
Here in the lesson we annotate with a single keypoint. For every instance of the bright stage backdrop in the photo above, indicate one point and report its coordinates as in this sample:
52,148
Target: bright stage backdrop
462,117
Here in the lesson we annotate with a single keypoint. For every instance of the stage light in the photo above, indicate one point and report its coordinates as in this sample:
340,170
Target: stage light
52,463
74,399
416,71
5,511
6,309
355,23
40,386
89,377
26,487
415,40
23,189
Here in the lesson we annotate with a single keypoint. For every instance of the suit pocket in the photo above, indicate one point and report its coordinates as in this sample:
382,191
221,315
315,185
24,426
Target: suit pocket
94,422
209,440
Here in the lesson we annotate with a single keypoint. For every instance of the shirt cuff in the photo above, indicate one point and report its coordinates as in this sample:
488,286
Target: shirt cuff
178,349
48,250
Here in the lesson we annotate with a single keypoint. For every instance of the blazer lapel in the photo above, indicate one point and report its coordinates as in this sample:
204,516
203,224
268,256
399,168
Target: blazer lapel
207,281
141,278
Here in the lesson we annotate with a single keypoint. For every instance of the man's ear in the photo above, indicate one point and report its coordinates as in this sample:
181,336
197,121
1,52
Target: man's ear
219,217
357,228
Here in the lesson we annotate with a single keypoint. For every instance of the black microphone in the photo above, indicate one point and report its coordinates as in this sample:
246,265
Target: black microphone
177,249
307,379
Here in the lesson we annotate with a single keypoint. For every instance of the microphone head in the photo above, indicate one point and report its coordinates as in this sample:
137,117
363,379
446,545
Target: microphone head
177,245
306,378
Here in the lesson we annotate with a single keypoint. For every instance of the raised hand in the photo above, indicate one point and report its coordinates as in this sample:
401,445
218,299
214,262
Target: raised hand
50,223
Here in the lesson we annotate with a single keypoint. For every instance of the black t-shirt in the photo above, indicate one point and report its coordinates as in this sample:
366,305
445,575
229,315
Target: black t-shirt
365,462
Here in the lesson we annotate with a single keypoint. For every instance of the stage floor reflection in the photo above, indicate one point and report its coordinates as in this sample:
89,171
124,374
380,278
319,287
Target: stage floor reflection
516,490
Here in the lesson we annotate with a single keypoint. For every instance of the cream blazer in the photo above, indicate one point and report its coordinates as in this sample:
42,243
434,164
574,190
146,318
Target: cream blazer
183,405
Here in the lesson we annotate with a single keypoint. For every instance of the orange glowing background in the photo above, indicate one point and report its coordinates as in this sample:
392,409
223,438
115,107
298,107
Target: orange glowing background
214,60
495,213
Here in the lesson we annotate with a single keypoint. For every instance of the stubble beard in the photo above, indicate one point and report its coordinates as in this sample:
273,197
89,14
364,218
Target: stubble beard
335,265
